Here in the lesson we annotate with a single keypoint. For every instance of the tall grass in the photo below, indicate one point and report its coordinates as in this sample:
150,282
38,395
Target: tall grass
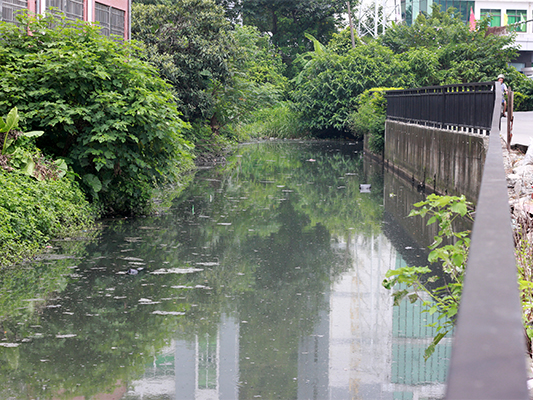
280,121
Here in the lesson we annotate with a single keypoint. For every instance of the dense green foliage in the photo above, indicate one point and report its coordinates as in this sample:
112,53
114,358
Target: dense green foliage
189,44
32,212
36,205
280,121
369,119
440,49
220,74
287,21
104,111
328,86
257,81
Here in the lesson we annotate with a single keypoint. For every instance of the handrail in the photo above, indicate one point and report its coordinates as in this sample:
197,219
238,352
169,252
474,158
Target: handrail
489,350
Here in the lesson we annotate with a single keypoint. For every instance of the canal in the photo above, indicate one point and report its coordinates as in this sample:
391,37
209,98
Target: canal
262,279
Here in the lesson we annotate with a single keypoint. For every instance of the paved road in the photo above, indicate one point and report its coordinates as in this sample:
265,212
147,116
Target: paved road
522,128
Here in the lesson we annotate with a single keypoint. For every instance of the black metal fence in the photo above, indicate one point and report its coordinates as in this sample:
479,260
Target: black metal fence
456,107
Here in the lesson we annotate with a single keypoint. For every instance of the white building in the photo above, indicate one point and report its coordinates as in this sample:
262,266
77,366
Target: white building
512,12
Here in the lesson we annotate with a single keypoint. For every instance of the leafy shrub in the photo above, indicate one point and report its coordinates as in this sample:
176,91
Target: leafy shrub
107,113
523,90
32,212
412,282
257,80
19,151
328,86
369,119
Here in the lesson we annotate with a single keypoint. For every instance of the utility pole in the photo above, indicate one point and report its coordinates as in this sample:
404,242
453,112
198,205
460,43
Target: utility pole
351,24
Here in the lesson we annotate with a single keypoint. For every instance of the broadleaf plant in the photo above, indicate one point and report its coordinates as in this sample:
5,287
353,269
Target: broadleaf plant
452,256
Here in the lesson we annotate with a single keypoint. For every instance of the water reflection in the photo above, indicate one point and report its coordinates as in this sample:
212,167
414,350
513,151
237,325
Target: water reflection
263,281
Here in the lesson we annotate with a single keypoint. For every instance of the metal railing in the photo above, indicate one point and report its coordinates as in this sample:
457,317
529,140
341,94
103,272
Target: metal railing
489,349
462,107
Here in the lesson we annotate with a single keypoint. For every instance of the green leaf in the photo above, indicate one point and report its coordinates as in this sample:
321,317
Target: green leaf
429,351
12,120
29,168
413,298
61,167
431,348
399,296
459,208
33,133
93,182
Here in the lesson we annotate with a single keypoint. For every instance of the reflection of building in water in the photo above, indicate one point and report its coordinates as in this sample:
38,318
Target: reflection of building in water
361,348
366,348
204,370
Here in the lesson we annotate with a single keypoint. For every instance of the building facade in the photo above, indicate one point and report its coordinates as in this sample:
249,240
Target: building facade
113,16
512,13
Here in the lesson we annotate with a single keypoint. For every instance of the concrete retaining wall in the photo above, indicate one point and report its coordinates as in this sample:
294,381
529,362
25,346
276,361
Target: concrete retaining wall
448,162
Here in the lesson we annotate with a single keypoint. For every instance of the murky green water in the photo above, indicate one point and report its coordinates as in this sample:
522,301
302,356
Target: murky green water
262,281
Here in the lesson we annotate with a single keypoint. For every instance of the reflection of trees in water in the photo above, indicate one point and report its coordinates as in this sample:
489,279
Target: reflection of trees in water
261,232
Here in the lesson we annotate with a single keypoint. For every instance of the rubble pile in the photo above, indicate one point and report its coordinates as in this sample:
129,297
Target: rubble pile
519,171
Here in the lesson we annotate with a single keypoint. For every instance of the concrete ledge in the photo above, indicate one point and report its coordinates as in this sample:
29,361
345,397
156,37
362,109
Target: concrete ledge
448,161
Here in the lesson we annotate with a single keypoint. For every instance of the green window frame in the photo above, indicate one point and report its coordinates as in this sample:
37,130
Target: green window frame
495,15
514,16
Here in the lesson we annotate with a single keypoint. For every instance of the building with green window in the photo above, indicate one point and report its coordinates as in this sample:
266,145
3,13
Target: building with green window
517,15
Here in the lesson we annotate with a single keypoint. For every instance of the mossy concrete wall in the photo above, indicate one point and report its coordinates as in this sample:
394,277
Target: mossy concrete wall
449,162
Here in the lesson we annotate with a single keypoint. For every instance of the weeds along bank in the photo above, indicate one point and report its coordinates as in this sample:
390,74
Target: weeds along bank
32,212
39,198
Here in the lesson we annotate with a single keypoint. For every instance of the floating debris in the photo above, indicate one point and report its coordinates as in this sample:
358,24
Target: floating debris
176,271
134,271
148,301
68,335
168,312
365,187
9,344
